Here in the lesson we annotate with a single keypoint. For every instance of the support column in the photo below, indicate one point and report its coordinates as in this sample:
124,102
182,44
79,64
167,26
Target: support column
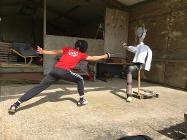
44,29
44,19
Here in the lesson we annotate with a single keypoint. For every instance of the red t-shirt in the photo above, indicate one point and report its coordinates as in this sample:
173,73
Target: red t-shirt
70,58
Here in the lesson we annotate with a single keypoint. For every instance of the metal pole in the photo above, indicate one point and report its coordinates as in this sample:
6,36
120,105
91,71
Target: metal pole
139,83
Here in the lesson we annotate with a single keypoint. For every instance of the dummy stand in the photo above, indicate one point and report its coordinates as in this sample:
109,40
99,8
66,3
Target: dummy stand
143,93
185,119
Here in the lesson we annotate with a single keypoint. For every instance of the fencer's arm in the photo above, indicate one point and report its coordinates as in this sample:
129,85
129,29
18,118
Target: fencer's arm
53,52
100,57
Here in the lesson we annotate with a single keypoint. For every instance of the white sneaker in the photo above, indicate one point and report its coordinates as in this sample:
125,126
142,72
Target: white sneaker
129,99
82,102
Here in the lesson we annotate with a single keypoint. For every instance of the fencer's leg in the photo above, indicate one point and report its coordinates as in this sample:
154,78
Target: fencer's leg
74,77
45,83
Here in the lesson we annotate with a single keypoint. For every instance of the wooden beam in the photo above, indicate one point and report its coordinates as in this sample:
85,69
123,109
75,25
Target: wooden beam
115,4
56,27
99,18
140,3
30,7
6,4
65,17
170,60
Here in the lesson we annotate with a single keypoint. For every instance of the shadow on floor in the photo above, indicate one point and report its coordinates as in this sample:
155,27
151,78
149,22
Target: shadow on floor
55,97
66,92
176,132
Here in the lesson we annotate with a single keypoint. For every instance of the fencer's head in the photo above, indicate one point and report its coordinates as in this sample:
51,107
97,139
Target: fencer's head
81,45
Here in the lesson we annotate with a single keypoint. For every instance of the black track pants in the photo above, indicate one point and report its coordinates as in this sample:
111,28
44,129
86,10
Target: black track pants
51,78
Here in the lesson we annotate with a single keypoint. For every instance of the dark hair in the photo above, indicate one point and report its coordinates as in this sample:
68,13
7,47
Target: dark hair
136,137
81,45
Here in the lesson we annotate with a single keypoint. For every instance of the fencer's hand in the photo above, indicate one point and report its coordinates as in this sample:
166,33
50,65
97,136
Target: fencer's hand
39,50
108,55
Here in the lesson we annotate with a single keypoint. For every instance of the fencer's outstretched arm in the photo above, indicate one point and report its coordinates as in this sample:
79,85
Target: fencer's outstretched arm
100,57
53,52
56,52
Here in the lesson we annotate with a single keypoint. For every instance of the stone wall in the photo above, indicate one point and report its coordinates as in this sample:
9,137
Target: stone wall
166,21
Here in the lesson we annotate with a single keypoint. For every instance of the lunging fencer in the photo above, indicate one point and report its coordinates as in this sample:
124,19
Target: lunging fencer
70,57
142,59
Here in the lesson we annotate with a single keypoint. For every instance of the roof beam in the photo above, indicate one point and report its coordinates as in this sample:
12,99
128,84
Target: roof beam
56,27
99,18
141,3
30,6
4,4
65,17
115,4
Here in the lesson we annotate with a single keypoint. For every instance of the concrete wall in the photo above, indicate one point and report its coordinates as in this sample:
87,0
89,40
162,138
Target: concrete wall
166,21
95,47
21,29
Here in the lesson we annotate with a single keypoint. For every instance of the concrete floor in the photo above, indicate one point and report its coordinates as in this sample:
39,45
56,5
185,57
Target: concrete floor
55,115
